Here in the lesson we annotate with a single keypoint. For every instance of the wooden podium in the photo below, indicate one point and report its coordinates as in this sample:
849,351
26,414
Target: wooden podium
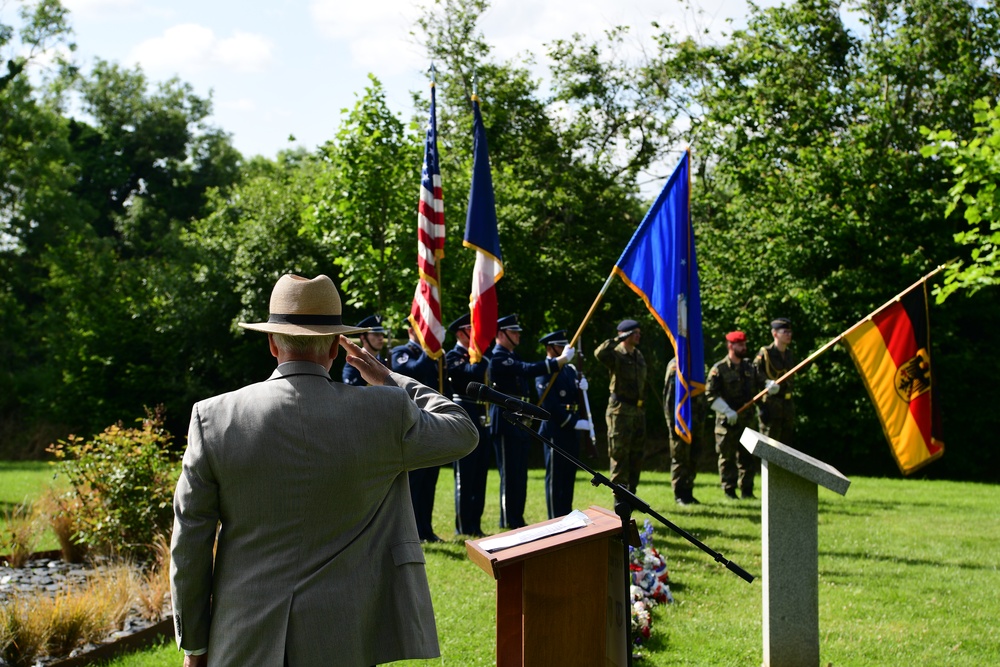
561,599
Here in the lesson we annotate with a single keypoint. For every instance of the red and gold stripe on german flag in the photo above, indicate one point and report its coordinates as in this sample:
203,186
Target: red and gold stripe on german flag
892,352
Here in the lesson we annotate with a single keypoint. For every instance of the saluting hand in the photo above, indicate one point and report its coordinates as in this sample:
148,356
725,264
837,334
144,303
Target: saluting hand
371,369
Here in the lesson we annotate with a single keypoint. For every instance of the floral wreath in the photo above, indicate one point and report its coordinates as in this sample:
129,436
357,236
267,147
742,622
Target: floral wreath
650,584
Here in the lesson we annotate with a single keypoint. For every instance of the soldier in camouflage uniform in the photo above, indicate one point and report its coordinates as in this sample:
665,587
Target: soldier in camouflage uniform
625,414
777,411
683,456
731,384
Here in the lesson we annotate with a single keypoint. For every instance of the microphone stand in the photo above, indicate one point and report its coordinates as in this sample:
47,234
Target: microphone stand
625,503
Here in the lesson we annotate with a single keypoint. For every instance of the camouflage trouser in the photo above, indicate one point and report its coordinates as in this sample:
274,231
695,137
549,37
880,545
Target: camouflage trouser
683,464
626,446
737,466
778,421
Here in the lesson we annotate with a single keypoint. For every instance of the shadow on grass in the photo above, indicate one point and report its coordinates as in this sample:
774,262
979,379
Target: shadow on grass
452,550
898,560
866,507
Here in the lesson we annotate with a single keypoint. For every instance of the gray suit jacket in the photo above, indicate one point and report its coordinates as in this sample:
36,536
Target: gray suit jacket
318,556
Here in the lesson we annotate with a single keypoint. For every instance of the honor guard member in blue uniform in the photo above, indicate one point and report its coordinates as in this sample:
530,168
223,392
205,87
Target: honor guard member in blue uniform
470,471
561,400
373,342
410,360
513,377
777,409
731,384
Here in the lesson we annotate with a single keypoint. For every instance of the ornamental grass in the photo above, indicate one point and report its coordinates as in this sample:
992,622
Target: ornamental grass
33,626
20,534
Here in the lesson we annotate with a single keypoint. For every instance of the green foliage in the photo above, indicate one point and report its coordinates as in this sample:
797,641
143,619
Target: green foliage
975,165
563,213
124,480
364,208
812,199
133,241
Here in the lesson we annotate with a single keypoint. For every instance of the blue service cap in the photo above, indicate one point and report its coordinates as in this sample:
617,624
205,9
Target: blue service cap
508,323
628,325
781,323
463,321
555,338
374,323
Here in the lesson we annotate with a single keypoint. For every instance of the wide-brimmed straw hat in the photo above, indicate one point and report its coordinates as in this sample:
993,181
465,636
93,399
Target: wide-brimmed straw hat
303,307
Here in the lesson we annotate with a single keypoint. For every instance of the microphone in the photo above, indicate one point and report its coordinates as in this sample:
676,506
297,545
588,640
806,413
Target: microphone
481,392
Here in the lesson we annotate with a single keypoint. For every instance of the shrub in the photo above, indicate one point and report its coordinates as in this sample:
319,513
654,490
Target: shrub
123,479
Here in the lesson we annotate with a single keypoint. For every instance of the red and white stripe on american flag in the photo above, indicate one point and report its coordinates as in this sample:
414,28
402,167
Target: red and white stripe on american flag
425,312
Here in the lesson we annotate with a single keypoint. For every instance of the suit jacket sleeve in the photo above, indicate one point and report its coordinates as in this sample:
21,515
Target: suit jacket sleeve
440,430
196,516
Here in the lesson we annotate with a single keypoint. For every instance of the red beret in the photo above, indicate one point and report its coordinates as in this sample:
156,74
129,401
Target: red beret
736,337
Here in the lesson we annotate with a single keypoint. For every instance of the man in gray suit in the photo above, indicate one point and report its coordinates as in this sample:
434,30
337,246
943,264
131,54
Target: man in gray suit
318,560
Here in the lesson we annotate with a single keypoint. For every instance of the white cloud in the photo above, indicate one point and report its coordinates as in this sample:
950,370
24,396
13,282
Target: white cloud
244,52
349,19
190,47
376,33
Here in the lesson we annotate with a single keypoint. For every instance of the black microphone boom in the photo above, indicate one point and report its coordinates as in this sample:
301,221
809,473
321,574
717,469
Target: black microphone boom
481,392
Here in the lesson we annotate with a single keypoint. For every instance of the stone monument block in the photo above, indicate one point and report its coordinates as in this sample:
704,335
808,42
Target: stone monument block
789,520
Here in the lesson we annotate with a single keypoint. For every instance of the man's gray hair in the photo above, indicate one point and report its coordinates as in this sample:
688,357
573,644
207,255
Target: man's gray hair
311,345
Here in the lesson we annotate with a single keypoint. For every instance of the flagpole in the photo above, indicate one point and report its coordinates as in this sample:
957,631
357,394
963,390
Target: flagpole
836,340
586,319
438,260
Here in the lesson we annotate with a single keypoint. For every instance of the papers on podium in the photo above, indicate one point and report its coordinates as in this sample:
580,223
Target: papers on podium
573,520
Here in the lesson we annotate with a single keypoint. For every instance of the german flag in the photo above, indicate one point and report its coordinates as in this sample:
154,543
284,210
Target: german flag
892,352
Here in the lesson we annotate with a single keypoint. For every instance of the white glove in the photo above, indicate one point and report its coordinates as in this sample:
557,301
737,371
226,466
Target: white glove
772,387
582,425
566,356
583,384
720,406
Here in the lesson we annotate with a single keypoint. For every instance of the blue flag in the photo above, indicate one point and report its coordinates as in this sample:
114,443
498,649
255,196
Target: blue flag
659,265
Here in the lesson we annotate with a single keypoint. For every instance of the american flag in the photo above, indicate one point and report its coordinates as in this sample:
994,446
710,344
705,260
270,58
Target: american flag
425,313
482,236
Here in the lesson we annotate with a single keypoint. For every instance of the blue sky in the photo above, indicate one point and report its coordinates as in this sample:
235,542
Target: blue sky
287,67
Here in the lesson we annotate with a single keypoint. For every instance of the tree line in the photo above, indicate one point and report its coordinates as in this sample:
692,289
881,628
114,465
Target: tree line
134,239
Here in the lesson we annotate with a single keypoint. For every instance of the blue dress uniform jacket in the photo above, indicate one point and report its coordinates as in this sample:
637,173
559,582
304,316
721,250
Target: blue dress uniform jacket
352,375
512,376
410,359
562,403
470,471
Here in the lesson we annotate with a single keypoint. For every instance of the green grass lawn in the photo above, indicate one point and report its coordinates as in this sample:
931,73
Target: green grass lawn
908,576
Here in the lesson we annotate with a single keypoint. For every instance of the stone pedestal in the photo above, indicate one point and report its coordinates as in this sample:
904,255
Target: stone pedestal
789,510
